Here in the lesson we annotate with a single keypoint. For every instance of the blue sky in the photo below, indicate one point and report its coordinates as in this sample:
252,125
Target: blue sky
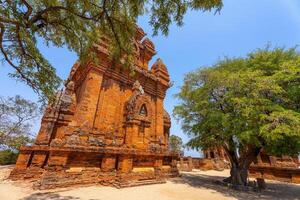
205,38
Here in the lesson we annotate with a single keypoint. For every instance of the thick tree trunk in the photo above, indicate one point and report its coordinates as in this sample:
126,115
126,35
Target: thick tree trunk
238,174
240,166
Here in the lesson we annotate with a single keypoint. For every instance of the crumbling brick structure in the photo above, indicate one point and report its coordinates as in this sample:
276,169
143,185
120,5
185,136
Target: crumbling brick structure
214,159
281,168
107,126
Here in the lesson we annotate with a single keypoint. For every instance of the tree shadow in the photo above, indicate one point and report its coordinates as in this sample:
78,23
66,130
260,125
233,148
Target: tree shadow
275,190
50,196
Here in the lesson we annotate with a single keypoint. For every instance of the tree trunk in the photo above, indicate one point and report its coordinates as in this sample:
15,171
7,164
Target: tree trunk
240,166
238,174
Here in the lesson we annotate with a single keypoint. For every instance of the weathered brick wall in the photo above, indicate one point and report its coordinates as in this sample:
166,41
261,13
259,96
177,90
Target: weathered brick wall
107,126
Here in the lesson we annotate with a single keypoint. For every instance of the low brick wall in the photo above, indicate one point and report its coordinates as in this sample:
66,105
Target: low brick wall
190,163
291,175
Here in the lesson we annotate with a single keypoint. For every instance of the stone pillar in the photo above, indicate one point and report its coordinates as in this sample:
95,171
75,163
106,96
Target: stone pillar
158,166
23,159
158,163
190,163
181,163
87,104
125,164
174,169
128,134
132,133
159,118
108,163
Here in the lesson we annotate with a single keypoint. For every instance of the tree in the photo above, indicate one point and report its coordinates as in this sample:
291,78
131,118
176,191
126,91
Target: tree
16,116
244,105
77,24
8,157
176,145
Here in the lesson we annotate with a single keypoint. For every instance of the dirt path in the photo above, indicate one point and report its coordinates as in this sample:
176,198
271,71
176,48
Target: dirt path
191,186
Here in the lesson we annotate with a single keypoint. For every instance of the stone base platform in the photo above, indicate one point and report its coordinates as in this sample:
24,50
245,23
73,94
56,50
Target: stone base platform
50,167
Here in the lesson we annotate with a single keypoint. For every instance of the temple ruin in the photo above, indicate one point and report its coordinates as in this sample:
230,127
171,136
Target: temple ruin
106,127
281,168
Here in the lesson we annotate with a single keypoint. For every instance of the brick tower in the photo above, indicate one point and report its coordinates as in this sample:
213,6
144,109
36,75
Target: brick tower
106,126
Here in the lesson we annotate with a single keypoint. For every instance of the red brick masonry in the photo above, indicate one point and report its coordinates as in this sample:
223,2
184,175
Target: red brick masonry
107,126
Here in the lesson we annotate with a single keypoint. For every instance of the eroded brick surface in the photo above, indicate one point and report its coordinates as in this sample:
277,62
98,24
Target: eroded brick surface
107,126
281,168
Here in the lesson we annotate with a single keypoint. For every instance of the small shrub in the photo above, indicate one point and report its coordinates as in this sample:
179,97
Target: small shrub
8,157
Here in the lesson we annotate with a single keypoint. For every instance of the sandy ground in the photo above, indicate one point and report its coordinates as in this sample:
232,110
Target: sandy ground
191,186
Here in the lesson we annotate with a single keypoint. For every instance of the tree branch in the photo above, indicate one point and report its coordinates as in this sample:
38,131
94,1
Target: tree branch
28,81
29,9
39,15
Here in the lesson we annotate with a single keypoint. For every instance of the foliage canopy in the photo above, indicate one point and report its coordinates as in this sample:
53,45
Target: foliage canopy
176,144
244,105
77,24
8,157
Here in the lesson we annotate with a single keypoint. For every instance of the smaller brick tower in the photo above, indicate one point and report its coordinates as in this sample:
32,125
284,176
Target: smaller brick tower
105,127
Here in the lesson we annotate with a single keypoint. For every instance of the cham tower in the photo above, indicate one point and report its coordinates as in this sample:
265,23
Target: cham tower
106,126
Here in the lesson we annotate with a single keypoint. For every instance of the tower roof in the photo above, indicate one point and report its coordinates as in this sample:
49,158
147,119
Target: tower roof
160,70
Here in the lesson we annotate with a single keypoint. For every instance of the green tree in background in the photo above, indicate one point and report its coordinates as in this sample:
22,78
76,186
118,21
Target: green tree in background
77,24
176,145
16,117
8,157
244,105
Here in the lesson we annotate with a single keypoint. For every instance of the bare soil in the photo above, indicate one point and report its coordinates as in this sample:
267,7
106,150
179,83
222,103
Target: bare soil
195,185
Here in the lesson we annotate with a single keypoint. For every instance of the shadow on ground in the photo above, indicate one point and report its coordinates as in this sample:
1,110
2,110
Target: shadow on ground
275,190
50,196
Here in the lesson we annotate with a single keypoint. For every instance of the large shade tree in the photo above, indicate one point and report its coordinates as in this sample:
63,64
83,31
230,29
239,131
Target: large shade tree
77,24
244,105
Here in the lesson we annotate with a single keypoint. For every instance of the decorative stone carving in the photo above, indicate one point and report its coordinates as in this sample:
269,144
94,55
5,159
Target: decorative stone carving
155,148
135,101
57,142
74,140
93,141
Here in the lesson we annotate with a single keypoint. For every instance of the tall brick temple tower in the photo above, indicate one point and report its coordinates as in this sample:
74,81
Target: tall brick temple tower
106,126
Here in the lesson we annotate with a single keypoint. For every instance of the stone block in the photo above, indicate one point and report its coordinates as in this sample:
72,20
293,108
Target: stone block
75,169
158,163
142,169
23,160
57,159
296,178
125,164
108,164
38,159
